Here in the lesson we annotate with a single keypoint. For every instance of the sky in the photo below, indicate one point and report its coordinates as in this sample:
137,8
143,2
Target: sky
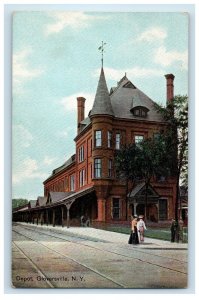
56,59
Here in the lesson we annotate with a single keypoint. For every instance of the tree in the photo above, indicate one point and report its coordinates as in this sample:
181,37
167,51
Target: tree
176,115
19,202
142,161
125,166
152,162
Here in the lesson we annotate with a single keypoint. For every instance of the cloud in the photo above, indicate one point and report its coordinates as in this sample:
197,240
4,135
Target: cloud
29,169
22,71
21,136
73,20
70,102
152,34
167,58
136,72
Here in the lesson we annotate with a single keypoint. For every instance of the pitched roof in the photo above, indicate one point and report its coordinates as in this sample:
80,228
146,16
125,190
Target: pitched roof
102,102
127,96
67,163
32,203
41,201
136,189
139,189
57,196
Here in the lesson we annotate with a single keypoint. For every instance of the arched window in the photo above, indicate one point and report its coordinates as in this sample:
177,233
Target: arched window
140,111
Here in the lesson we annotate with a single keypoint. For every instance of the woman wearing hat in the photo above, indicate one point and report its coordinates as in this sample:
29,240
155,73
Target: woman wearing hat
134,233
141,227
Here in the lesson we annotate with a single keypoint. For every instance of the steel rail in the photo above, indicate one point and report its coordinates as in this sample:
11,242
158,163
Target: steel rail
112,252
74,260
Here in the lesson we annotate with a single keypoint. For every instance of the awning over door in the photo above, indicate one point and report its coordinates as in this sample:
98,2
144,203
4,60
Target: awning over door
137,195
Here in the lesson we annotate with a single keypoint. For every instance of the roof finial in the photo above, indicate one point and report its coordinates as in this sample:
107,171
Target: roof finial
101,48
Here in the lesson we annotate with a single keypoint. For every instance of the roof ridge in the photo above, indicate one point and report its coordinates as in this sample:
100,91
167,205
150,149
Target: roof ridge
119,84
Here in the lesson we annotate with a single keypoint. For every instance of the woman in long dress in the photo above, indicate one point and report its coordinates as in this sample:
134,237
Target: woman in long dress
141,227
134,233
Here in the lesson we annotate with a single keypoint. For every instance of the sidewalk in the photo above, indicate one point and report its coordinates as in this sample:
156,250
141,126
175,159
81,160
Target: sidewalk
108,236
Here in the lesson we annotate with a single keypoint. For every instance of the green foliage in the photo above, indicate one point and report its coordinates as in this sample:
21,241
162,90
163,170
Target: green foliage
176,115
152,158
19,202
143,160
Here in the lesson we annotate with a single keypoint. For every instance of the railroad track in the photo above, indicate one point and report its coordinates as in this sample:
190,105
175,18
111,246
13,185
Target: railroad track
73,238
28,235
43,274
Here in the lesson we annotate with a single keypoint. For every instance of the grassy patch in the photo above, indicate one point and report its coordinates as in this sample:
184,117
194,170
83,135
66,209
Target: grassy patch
161,234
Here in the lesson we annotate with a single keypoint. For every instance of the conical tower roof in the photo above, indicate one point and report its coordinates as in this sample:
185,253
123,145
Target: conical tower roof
102,103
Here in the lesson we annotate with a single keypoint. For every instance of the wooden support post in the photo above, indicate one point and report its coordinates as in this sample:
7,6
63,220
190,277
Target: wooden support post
68,216
42,218
62,216
37,218
53,217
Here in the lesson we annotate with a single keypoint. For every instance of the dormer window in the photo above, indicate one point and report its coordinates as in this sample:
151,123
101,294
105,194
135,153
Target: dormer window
140,111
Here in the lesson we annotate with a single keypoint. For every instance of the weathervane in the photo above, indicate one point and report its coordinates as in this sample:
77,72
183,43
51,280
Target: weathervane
101,48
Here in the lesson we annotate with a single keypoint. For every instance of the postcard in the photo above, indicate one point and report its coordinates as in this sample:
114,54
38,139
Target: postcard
100,150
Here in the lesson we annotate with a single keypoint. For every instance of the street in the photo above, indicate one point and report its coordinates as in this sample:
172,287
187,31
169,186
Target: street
48,257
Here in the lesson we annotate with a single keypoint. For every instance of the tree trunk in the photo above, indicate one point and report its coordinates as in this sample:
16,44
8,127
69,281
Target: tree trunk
146,199
177,232
127,200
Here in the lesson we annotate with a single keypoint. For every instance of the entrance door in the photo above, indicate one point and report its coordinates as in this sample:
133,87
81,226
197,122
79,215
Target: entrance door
140,209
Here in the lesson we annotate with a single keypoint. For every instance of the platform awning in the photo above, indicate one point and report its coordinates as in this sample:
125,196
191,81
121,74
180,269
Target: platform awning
70,199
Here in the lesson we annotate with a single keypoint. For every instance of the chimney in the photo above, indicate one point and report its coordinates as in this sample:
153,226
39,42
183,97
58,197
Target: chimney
80,111
170,87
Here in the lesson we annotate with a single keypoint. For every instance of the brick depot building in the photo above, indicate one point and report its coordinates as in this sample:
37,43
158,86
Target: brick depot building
86,183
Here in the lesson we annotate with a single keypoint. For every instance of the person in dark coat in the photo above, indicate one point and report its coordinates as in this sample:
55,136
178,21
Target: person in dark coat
133,239
174,227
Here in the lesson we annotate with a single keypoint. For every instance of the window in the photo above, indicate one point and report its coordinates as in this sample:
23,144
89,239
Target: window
136,112
138,138
72,183
82,177
109,139
116,208
117,141
143,113
65,183
98,138
97,167
81,154
140,111
110,168
162,209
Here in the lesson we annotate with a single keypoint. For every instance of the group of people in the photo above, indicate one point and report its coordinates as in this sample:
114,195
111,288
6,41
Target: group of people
137,230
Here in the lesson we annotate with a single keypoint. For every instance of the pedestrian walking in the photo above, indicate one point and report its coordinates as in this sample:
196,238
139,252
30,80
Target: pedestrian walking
141,227
83,220
173,228
133,239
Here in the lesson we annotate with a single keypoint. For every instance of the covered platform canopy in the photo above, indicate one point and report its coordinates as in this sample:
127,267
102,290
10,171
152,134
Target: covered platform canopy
46,208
